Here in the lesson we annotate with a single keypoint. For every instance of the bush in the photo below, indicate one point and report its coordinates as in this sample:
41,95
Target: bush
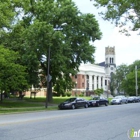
68,94
64,94
81,94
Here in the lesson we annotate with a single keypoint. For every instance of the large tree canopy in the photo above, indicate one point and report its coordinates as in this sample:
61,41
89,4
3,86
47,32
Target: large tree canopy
125,78
6,13
40,27
69,44
122,12
12,75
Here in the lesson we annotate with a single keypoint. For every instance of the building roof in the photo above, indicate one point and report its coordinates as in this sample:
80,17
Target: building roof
102,64
91,68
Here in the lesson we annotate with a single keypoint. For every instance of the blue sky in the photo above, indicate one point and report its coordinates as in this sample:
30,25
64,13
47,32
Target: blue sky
127,48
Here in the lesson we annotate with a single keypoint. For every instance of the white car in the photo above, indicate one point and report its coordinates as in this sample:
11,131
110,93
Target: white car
119,100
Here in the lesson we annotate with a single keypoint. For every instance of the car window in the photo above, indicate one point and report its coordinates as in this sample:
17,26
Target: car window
70,100
96,98
79,100
117,97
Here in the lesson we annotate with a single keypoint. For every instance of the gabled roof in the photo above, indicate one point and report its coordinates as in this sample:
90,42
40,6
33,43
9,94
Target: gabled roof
102,64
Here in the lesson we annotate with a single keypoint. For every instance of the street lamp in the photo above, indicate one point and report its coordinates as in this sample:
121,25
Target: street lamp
48,65
48,79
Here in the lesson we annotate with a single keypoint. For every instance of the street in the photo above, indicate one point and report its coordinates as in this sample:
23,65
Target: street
95,123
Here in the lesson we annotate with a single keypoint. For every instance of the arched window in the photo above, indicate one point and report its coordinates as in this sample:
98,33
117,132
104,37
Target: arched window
110,60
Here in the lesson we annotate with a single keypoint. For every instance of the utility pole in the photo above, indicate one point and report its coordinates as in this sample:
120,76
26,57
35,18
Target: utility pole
136,80
49,77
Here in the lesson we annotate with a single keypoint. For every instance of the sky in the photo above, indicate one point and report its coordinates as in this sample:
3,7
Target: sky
127,48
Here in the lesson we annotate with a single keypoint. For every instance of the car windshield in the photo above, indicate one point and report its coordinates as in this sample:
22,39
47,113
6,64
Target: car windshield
96,98
70,100
130,97
117,97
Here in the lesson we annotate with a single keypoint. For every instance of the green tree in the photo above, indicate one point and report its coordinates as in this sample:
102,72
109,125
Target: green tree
7,13
129,84
98,91
132,66
121,72
125,77
121,12
12,75
69,45
135,68
39,28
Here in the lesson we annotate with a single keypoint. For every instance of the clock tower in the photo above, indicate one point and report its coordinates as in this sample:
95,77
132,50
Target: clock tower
110,61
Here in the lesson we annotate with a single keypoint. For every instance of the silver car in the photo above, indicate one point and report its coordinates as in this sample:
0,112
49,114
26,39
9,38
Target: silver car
119,100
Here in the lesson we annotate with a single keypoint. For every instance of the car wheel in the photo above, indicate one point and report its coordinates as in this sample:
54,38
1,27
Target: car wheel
86,105
106,104
73,106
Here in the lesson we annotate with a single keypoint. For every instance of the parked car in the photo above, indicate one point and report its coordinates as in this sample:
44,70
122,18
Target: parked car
73,103
97,101
137,99
131,99
119,100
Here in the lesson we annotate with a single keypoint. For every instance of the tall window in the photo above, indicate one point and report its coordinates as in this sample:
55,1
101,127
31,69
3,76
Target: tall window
105,82
112,60
87,82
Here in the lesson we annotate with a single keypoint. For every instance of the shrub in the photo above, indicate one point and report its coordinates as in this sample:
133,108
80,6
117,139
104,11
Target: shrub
63,94
68,94
81,94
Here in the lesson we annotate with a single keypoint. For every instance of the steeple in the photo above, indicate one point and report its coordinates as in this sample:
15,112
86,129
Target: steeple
110,60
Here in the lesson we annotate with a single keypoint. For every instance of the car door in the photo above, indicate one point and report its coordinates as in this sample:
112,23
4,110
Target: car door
101,101
83,102
123,99
78,102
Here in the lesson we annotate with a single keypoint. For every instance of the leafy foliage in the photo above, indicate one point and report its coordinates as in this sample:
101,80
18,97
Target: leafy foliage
120,75
126,78
98,91
36,27
12,75
121,12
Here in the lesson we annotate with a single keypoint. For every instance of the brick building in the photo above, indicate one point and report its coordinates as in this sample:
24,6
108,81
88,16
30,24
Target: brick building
91,77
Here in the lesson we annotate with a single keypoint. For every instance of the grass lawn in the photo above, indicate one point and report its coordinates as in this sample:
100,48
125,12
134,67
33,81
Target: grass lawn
14,105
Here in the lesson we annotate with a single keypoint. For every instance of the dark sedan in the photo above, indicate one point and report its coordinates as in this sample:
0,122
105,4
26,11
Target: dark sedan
73,103
97,101
131,99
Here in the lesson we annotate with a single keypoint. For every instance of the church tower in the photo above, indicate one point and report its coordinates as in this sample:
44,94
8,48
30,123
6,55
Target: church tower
110,61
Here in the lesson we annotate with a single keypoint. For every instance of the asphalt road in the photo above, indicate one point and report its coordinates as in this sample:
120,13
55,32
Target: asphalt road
96,123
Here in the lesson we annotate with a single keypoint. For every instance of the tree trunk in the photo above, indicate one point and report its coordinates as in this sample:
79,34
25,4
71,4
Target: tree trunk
1,97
